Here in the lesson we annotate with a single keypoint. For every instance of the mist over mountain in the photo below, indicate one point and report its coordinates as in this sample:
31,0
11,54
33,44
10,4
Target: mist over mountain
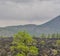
52,26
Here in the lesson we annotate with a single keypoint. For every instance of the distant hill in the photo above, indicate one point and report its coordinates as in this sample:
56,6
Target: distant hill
52,26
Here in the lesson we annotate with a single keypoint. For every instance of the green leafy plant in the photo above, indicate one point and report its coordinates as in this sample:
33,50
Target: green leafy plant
22,45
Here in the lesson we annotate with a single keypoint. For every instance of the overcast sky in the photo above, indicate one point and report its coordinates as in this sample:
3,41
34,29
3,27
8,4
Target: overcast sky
19,12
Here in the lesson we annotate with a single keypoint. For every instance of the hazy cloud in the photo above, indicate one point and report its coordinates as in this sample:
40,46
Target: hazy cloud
28,11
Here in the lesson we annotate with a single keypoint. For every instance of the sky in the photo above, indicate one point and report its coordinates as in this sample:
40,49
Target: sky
20,12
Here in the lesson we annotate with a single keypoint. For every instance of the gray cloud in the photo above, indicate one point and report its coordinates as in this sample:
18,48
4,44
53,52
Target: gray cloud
28,10
19,1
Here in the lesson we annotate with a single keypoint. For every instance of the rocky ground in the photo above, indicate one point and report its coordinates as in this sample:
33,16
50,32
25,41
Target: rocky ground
46,46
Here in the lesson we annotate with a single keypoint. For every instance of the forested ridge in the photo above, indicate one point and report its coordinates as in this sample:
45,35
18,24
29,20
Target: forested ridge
23,44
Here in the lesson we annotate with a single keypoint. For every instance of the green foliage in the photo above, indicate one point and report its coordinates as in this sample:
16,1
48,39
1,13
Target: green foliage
3,37
54,52
53,35
43,35
42,42
22,45
33,50
23,37
58,42
48,36
22,54
58,35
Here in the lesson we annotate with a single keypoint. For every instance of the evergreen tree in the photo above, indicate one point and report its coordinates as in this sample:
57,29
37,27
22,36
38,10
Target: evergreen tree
43,35
48,36
53,35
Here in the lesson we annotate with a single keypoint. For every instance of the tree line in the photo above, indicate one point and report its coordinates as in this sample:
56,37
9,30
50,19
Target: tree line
53,35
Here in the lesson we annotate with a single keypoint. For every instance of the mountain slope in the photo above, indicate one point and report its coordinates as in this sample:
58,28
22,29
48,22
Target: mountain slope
52,26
